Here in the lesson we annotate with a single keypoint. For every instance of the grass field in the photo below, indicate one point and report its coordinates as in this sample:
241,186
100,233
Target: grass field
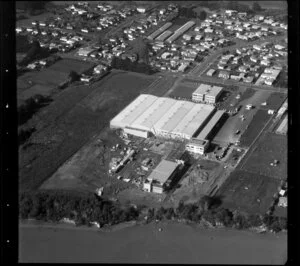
71,120
257,124
269,148
275,100
67,65
160,87
184,92
247,191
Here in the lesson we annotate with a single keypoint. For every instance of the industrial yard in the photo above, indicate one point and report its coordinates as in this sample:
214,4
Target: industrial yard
199,108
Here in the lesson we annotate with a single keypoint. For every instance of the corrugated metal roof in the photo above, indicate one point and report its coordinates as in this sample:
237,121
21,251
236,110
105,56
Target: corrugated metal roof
210,125
120,119
154,113
177,116
167,115
193,119
163,171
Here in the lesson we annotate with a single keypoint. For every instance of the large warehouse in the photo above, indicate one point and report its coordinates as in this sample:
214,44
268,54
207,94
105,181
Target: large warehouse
163,117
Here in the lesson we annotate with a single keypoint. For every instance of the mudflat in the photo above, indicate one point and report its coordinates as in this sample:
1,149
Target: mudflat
173,243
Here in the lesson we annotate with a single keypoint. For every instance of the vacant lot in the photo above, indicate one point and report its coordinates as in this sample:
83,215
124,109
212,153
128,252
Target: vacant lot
67,65
247,191
75,116
255,127
269,148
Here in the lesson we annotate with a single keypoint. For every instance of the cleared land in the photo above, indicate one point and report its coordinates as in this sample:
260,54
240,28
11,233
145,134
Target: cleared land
269,148
78,114
255,127
248,191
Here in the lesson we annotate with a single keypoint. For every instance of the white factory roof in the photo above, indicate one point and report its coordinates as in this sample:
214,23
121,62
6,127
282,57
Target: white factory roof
160,114
195,117
163,171
153,114
209,90
133,110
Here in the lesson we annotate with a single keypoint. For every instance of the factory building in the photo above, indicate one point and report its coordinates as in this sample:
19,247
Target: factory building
197,146
210,128
200,143
160,177
163,117
206,93
159,31
180,31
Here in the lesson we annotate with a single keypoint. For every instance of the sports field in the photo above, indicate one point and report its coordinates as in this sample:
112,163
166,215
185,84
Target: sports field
251,192
269,148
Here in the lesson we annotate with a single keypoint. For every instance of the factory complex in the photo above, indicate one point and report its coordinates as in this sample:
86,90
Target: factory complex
165,117
161,177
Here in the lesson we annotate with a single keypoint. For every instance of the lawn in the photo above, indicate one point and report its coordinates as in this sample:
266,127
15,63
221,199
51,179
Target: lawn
269,148
255,127
247,191
71,120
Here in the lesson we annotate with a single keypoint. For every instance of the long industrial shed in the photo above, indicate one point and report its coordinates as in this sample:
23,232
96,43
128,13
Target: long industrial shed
162,116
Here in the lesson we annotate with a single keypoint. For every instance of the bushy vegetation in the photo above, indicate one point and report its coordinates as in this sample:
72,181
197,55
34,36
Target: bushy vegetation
208,209
83,208
30,107
128,65
24,134
34,53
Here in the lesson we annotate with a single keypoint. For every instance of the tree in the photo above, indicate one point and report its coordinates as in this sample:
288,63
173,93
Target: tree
202,15
73,76
256,7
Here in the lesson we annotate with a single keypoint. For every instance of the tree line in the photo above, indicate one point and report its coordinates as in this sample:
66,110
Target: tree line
128,65
85,208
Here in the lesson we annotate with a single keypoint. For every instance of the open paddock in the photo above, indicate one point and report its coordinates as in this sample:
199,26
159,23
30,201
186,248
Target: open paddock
248,191
255,127
274,101
67,65
182,92
71,121
269,148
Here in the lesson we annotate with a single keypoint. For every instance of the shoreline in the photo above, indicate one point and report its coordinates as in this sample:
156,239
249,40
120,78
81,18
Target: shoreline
31,223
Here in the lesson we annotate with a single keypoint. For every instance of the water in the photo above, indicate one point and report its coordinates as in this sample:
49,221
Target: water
175,243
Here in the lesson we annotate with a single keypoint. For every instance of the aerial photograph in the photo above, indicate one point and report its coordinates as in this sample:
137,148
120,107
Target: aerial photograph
152,131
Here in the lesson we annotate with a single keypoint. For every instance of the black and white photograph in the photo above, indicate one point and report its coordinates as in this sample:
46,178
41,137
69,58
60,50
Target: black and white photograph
152,132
